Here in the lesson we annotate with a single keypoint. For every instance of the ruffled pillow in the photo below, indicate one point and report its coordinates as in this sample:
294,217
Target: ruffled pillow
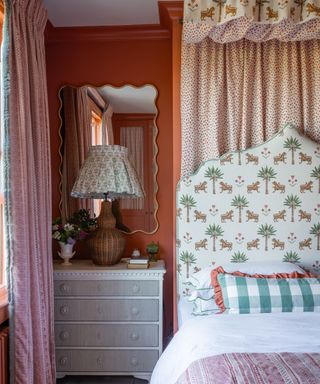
218,295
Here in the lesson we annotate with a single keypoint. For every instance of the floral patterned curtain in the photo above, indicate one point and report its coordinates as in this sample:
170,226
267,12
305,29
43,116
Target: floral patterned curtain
237,95
248,67
257,20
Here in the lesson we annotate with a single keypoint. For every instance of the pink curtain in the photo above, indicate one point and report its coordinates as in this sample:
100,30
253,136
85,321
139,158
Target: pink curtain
107,129
28,196
132,138
239,94
76,141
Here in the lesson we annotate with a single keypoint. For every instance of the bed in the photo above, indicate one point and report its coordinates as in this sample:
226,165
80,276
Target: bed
257,214
203,337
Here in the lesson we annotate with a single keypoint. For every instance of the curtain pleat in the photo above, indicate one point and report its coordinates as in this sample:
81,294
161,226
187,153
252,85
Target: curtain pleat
27,190
239,94
76,142
107,129
132,138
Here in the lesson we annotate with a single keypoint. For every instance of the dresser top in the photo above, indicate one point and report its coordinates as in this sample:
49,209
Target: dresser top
86,267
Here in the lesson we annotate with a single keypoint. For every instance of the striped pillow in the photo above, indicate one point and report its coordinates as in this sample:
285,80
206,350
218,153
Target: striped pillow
261,295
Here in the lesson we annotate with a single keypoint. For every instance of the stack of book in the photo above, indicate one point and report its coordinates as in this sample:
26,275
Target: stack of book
138,262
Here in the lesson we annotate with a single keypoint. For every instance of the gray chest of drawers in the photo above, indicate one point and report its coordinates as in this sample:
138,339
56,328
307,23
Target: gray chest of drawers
108,320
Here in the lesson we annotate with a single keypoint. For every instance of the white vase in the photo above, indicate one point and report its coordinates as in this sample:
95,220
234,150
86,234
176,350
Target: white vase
66,252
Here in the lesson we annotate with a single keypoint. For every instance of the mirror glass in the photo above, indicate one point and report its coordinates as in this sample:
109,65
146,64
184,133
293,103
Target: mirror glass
109,115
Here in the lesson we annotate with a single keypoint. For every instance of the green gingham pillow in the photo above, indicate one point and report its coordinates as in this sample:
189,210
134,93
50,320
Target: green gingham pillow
259,295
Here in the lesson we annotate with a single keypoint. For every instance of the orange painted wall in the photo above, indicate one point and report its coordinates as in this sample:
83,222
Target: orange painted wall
176,139
135,62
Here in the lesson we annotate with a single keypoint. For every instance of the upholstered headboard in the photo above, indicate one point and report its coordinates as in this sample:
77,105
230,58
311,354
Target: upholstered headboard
259,204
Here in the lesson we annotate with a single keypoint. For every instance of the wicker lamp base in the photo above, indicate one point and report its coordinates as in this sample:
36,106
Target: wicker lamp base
107,244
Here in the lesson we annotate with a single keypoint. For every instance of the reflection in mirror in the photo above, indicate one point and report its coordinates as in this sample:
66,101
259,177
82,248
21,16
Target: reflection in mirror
108,115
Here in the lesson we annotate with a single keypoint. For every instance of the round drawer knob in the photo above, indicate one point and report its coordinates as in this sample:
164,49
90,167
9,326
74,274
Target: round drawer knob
64,288
64,310
134,361
100,310
64,335
134,336
135,288
134,310
63,360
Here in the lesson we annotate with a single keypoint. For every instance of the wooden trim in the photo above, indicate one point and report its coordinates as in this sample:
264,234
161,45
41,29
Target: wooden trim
106,33
2,250
4,313
1,18
169,12
1,9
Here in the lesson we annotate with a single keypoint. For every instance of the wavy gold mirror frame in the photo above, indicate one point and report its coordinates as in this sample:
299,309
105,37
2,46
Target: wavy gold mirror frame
133,124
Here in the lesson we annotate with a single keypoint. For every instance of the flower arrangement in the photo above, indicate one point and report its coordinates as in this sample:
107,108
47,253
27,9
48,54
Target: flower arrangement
65,233
76,228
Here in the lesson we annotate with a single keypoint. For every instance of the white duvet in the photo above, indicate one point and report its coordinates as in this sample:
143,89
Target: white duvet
212,335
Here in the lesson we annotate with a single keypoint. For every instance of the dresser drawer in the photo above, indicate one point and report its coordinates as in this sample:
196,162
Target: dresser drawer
106,288
112,335
106,310
68,360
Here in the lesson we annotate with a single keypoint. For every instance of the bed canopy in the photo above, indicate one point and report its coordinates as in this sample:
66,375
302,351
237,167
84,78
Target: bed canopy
248,67
226,21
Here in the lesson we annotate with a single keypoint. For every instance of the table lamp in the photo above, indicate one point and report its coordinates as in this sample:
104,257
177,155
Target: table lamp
107,174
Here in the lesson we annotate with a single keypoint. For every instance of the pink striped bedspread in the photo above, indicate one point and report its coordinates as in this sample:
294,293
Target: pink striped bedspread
254,368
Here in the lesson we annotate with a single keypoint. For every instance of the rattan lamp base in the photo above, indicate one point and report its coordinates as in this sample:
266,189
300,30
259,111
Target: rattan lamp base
108,243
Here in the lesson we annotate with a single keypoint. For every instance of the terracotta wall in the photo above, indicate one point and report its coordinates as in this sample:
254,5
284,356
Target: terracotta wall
119,62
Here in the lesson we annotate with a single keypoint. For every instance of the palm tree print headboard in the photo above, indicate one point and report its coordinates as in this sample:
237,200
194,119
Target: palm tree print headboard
259,204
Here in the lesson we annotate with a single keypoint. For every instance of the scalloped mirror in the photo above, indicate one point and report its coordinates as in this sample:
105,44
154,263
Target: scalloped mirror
111,115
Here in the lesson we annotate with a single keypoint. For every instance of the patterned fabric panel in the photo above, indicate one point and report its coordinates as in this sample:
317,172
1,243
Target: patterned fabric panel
240,368
260,204
252,295
251,80
206,11
230,20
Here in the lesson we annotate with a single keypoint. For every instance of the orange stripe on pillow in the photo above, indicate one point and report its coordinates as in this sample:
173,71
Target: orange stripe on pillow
219,270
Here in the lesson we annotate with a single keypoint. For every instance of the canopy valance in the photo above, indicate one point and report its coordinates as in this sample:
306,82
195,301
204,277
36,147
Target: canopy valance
226,21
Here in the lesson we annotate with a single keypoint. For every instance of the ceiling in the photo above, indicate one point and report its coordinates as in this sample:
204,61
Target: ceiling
71,13
129,99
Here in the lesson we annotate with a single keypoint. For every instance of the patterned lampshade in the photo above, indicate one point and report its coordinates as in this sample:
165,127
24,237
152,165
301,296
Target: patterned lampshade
107,170
107,173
